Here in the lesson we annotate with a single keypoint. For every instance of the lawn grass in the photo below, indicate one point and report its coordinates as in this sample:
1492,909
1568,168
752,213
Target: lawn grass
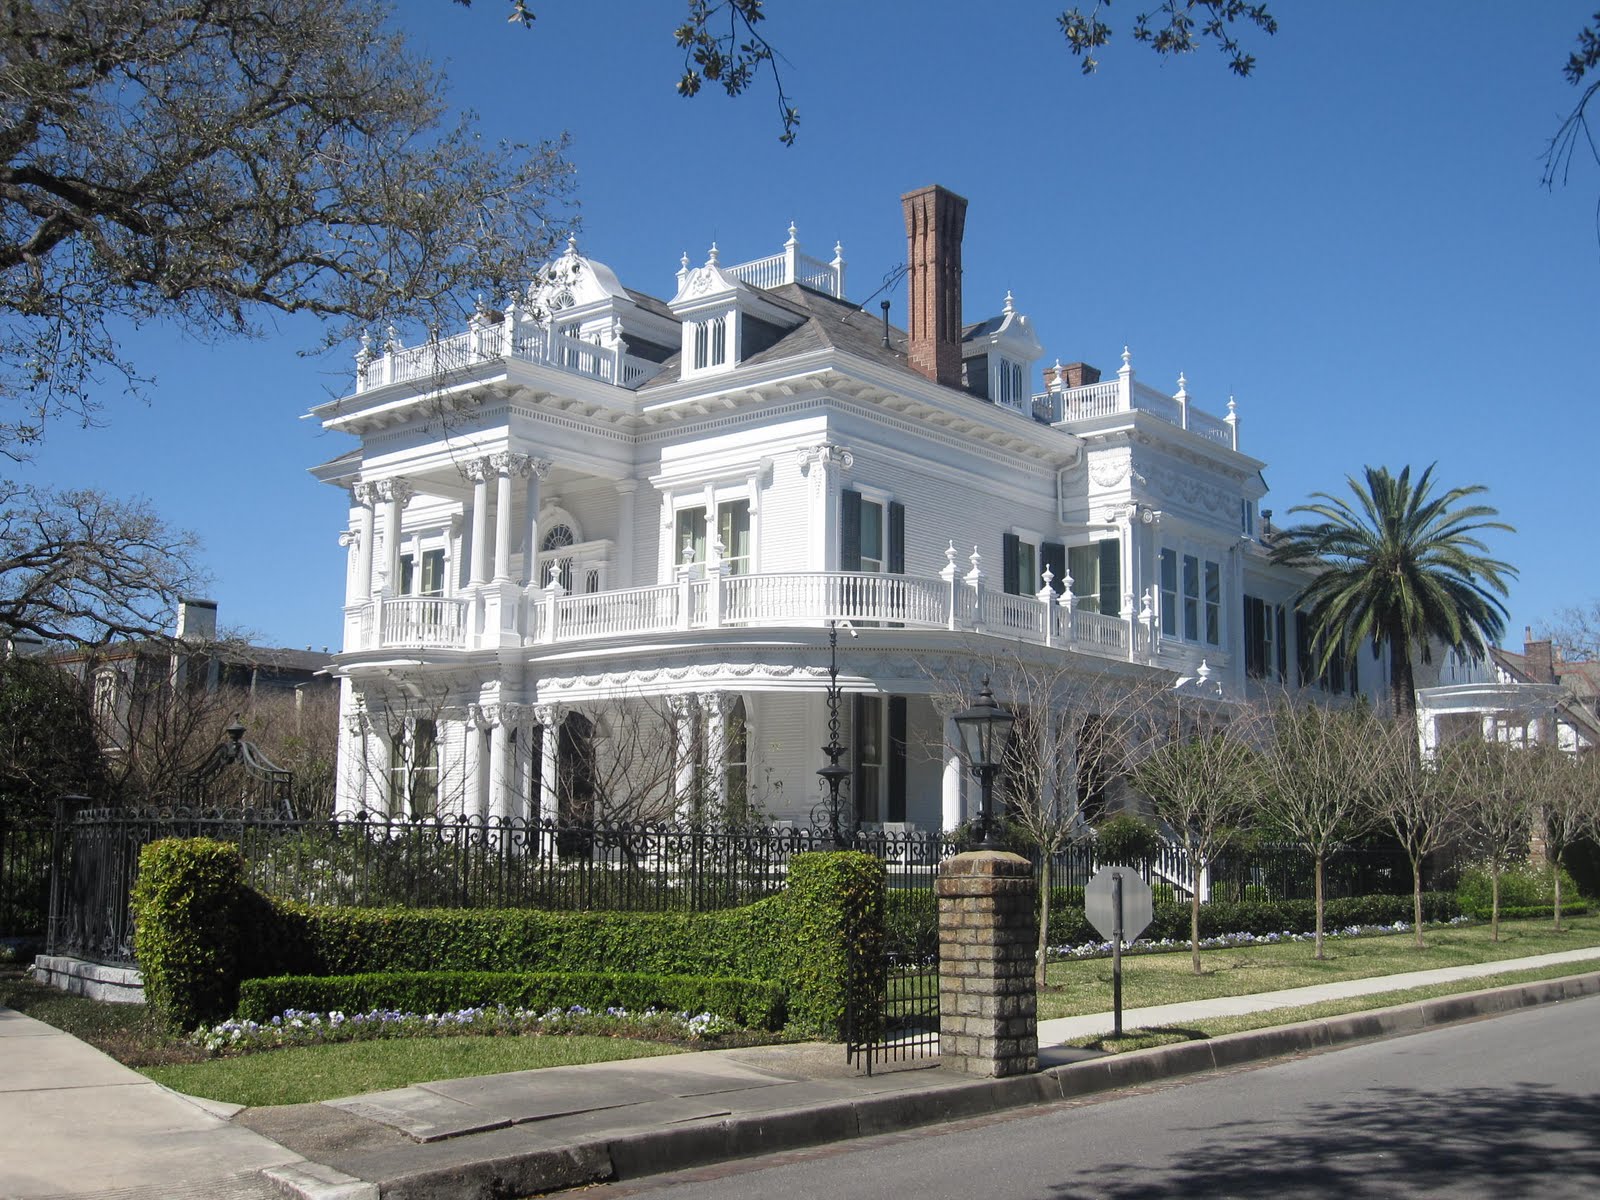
1080,988
306,1074
1139,1039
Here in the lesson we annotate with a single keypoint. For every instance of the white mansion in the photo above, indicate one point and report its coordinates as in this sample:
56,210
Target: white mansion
593,514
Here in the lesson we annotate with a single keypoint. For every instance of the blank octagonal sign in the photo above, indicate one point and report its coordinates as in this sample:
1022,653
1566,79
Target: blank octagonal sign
1137,909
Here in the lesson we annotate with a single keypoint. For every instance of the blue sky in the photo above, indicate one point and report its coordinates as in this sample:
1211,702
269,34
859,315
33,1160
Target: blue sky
1353,242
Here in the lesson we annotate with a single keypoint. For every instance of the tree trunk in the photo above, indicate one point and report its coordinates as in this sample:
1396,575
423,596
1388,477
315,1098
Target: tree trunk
1319,953
1556,867
1416,897
1194,926
1494,905
1402,686
1044,918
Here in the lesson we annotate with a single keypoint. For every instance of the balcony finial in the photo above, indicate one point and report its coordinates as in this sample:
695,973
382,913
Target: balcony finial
793,240
1183,387
1127,359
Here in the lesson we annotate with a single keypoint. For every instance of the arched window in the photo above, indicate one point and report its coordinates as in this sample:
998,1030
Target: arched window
558,537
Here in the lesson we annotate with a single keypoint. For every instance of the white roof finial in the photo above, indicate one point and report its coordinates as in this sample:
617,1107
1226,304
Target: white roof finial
1010,306
572,245
793,241
711,259
1127,356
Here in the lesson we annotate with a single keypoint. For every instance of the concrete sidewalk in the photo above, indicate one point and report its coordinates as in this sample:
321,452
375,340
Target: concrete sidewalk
74,1123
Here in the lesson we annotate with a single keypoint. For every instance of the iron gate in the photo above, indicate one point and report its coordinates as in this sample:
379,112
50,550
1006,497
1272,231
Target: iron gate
893,1010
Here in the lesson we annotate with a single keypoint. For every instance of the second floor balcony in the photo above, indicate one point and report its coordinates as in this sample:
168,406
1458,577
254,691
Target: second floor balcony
951,605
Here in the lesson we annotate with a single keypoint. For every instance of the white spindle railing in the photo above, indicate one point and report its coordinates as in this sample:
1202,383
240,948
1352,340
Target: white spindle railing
769,272
1105,398
776,600
428,621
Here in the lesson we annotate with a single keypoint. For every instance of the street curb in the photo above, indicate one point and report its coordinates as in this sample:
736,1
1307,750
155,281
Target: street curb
651,1152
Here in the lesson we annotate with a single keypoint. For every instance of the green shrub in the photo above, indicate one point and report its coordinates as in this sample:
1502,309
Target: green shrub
1124,838
187,902
1257,893
1163,893
1520,887
832,944
749,1002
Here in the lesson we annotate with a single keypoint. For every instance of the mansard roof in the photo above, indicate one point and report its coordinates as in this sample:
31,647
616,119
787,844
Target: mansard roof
823,323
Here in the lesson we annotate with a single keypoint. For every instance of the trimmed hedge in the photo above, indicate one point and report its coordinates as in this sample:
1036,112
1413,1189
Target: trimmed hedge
831,949
211,931
1531,912
753,1003
187,904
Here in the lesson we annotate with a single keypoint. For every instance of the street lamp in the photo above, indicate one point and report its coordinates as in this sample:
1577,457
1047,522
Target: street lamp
985,729
835,773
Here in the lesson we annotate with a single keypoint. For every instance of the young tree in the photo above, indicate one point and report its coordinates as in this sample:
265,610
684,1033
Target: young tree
1494,784
1319,766
1074,733
1399,567
1203,779
1567,805
1414,801
298,730
210,164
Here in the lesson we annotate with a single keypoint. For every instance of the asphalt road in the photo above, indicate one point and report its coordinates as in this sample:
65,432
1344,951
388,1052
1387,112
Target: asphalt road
1505,1108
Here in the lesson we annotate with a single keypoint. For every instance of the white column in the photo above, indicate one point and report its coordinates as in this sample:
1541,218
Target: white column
477,470
501,769
713,706
504,464
683,712
953,811
549,718
472,765
626,490
364,495
538,469
396,493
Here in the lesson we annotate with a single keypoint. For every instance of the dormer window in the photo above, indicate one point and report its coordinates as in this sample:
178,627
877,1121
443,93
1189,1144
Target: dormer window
710,343
1010,387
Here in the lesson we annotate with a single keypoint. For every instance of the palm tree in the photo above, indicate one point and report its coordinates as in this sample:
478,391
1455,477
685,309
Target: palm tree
1400,567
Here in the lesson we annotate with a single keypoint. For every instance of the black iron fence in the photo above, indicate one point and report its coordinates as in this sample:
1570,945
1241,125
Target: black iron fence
24,878
475,863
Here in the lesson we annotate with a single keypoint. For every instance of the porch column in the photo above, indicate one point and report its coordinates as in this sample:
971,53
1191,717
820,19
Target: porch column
953,811
505,466
538,469
396,494
355,756
823,464
683,712
472,764
549,718
365,496
626,490
502,771
477,471
714,707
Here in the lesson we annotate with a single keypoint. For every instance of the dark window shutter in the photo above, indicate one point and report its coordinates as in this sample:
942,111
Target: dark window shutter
1054,556
1111,577
897,538
897,758
1011,569
849,530
1283,650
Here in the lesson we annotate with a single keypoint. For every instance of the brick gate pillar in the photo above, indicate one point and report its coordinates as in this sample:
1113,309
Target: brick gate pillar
988,1017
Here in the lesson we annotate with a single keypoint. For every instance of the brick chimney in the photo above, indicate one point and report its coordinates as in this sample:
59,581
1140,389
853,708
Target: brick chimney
1540,657
935,221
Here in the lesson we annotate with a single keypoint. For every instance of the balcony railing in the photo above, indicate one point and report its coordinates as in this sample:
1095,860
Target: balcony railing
499,616
1063,406
515,337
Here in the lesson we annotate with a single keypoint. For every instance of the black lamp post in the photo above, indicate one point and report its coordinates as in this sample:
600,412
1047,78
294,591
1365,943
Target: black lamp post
985,729
835,773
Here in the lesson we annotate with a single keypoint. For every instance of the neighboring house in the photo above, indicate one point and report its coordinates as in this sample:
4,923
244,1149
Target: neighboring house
595,511
135,686
1532,697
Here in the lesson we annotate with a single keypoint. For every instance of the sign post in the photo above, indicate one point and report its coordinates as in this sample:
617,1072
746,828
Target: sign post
1118,903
